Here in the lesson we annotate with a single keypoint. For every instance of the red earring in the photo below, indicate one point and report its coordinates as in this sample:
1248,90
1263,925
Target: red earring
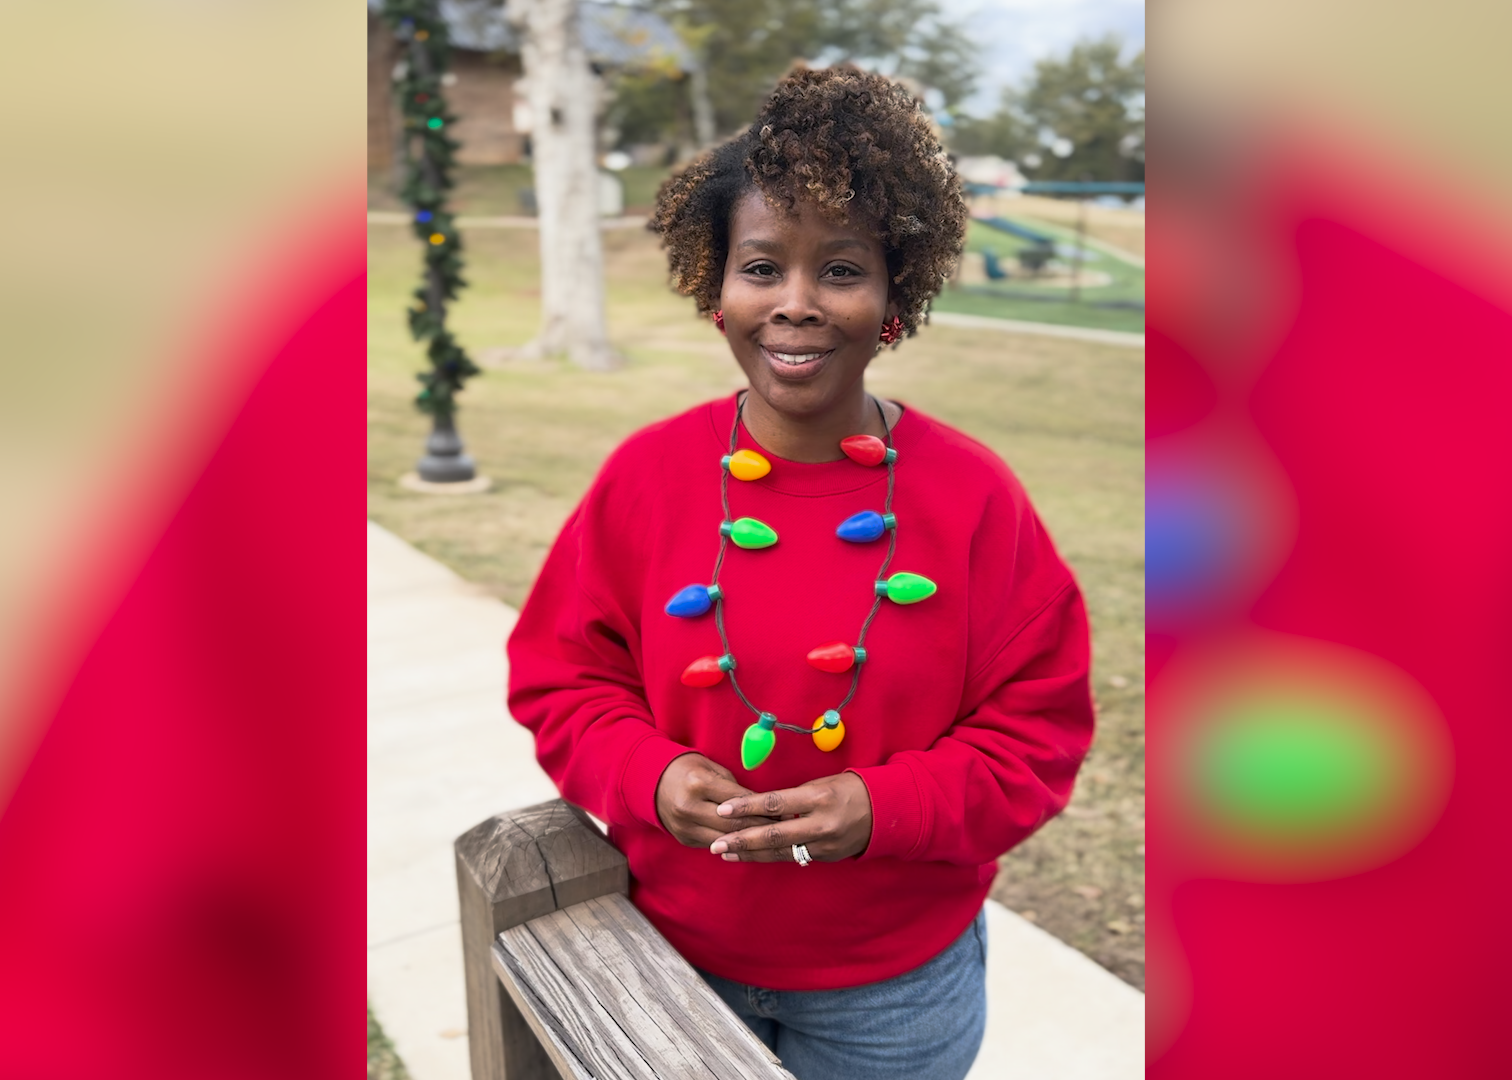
719,320
892,330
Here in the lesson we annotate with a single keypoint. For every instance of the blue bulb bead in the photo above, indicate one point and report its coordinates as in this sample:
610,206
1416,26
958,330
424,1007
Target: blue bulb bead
690,602
862,528
423,216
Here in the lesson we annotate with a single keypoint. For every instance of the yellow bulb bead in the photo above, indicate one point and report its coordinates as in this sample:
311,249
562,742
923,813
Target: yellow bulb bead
437,238
748,465
827,738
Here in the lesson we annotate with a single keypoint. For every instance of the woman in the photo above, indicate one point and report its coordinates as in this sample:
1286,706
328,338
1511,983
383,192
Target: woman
809,653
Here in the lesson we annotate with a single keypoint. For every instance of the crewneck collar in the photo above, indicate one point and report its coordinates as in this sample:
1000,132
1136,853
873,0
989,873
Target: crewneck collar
809,478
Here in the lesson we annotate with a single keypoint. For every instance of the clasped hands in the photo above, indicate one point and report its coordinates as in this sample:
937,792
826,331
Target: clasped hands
702,805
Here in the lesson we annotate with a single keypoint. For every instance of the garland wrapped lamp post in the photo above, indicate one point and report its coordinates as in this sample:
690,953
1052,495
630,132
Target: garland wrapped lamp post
417,87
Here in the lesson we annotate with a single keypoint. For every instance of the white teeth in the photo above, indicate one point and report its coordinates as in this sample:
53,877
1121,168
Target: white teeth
796,358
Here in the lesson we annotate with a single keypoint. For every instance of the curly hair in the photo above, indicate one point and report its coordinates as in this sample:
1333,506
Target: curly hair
856,144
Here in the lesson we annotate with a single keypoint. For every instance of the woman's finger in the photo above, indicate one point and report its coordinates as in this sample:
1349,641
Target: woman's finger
718,788
719,826
773,836
701,821
781,803
783,855
693,835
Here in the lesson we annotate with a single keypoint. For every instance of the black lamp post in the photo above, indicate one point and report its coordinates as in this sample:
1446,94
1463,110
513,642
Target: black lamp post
445,460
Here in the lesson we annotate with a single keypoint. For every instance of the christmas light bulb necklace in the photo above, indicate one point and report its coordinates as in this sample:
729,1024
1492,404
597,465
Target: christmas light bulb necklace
694,600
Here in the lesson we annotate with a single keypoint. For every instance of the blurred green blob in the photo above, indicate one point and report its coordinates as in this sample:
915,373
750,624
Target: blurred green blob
1290,769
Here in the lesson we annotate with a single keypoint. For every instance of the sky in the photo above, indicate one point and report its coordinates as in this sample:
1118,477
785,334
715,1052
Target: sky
1016,33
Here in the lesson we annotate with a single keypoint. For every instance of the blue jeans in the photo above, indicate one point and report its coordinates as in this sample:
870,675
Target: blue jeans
926,1024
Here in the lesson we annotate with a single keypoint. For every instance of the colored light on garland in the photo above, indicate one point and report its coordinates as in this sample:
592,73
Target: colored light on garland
746,465
868,450
693,600
866,526
748,533
906,588
836,656
435,123
418,78
708,670
758,742
829,731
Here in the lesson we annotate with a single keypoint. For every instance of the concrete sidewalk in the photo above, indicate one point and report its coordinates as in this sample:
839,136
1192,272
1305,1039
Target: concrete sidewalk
443,755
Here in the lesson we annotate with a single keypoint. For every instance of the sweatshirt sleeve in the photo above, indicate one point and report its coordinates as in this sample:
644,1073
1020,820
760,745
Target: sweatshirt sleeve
1007,765
574,682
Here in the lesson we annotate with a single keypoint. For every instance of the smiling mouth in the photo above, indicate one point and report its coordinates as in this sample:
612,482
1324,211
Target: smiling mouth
795,360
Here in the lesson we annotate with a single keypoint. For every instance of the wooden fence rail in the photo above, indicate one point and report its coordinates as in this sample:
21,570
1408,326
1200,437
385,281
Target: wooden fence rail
566,980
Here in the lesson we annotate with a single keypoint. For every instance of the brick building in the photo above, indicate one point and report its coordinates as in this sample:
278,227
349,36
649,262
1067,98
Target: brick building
483,85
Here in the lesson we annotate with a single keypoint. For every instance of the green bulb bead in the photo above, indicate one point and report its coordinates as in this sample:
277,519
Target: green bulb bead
757,745
905,588
749,533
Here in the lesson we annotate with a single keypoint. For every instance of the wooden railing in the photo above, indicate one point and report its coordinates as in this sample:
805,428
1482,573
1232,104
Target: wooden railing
566,980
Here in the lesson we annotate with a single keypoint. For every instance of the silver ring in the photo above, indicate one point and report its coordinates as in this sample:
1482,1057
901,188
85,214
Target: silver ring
801,855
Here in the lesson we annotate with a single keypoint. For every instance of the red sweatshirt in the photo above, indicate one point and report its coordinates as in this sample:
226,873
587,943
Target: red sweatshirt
972,716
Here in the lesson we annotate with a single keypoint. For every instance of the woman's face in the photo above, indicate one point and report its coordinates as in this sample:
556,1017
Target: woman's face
804,300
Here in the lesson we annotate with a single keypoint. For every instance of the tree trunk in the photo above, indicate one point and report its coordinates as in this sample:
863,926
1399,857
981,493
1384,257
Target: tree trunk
563,97
703,109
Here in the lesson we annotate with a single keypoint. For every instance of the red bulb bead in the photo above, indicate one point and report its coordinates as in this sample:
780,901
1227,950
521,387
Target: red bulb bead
705,671
864,449
836,656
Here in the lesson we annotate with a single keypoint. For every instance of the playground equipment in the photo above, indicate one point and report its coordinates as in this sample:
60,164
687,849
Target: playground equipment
1032,258
1038,248
1080,187
1012,228
1043,248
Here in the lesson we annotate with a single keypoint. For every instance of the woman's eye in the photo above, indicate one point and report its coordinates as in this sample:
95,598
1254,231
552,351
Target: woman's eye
841,271
762,269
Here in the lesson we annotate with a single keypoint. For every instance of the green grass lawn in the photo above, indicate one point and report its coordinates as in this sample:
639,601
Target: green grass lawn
383,1062
1067,415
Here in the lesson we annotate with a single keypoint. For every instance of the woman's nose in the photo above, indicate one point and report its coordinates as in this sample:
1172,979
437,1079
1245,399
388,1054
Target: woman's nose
798,302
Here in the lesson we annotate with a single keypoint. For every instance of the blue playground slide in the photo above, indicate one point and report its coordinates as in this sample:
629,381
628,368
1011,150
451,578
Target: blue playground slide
1015,229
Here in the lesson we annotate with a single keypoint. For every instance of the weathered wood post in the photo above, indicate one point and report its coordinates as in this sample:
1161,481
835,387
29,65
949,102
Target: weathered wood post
510,869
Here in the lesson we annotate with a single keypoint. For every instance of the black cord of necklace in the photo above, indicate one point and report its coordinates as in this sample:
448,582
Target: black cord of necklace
892,547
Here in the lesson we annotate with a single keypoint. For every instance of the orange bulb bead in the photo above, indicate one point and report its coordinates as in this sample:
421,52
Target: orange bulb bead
826,737
747,465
